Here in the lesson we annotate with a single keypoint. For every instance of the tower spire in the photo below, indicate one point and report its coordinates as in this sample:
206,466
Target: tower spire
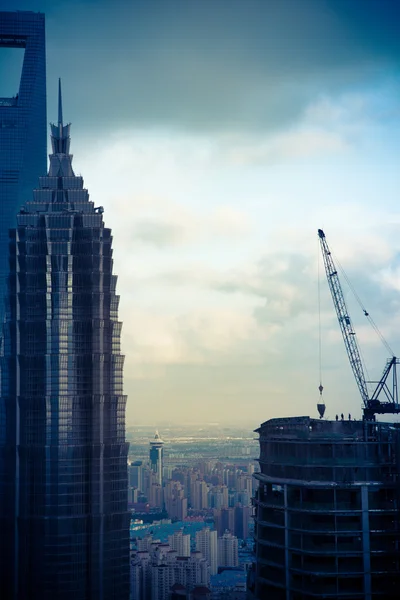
60,158
60,115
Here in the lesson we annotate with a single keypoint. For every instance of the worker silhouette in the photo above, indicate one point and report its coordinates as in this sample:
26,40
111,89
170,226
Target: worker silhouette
337,418
342,416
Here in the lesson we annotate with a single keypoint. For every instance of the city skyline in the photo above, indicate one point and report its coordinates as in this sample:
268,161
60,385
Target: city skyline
221,142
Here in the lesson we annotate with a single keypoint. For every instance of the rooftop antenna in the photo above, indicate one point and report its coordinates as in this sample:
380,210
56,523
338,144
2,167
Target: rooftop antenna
60,115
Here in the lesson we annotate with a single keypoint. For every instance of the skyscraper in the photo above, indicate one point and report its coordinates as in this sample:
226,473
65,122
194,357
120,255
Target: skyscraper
23,125
63,456
327,520
156,456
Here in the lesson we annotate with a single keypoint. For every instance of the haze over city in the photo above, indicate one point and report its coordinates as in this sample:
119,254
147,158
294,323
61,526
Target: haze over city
218,137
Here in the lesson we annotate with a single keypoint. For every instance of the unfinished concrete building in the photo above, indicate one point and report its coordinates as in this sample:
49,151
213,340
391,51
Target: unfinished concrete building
327,510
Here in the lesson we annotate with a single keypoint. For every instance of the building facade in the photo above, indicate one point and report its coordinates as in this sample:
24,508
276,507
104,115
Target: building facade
180,542
241,521
175,500
224,520
23,126
206,543
136,475
228,550
158,573
327,518
63,456
199,495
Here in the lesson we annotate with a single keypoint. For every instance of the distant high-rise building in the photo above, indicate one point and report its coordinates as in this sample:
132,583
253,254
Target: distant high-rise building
144,544
155,497
205,467
228,550
327,520
206,543
136,581
148,478
215,498
199,495
180,542
136,475
63,455
140,572
167,472
162,579
23,126
241,521
244,498
133,495
244,484
175,501
192,570
218,496
156,456
160,574
224,520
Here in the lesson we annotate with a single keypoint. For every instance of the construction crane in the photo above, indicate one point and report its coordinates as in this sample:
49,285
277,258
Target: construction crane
386,387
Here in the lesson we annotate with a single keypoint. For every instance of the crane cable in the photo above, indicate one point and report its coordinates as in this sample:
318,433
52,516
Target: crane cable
321,387
366,313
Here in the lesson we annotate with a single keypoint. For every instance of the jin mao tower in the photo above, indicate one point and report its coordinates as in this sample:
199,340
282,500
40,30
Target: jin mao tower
63,456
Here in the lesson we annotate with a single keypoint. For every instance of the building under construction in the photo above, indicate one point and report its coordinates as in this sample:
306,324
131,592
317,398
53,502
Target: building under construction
327,510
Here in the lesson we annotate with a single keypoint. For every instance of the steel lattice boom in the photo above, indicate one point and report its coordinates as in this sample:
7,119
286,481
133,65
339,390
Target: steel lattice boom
372,405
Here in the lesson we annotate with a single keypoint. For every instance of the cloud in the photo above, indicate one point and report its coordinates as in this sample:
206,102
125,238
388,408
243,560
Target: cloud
159,233
280,294
279,280
328,125
217,66
296,144
201,336
187,227
208,67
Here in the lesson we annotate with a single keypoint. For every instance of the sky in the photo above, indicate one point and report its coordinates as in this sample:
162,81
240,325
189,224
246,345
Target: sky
219,136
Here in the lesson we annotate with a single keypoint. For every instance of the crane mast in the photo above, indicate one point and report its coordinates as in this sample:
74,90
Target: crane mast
372,405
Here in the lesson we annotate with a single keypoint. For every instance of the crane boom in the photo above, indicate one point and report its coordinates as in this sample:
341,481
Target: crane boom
345,324
372,405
